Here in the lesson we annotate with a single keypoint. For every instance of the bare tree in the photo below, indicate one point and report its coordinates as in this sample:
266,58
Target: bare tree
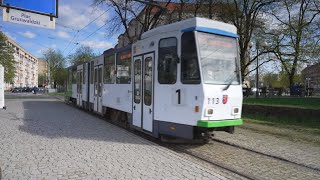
181,8
147,14
296,34
246,16
197,5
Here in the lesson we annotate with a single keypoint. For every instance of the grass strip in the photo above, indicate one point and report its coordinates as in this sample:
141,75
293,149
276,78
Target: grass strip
297,102
292,123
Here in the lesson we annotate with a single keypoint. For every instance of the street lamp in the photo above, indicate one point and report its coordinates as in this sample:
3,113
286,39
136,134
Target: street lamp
259,44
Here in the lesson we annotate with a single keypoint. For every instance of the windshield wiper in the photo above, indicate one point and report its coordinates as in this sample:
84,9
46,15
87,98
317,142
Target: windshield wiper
231,79
228,85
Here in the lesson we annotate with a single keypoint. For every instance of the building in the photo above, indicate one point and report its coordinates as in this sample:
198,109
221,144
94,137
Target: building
26,67
174,12
42,72
311,77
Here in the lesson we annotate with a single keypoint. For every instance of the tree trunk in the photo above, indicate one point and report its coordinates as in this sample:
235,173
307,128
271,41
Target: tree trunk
291,84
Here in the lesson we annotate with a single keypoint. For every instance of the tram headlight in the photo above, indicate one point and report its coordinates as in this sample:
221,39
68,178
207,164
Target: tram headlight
209,112
235,110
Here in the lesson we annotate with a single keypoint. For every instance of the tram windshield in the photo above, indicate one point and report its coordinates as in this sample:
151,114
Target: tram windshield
218,59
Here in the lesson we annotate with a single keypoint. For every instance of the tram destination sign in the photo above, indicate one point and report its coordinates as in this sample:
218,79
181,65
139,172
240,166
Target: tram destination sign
27,18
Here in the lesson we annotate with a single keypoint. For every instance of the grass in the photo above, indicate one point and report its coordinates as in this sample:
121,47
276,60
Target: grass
294,132
283,121
56,94
306,103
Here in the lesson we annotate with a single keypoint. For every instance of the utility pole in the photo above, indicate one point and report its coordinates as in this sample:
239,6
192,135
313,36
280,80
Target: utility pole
49,75
257,70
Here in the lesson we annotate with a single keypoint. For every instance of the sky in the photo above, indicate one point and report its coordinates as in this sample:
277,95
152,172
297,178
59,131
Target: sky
79,23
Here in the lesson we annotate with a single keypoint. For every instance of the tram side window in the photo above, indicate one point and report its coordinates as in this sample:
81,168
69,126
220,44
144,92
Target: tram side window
109,70
84,74
167,63
74,76
124,67
70,78
92,70
189,60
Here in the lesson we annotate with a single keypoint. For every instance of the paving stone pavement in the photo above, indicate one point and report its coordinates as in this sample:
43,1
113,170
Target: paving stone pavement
249,163
300,152
47,139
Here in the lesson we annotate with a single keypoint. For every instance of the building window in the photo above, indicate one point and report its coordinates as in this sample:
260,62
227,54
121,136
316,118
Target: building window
167,63
124,67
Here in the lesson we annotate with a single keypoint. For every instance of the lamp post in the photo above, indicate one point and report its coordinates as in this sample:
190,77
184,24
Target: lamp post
257,70
258,45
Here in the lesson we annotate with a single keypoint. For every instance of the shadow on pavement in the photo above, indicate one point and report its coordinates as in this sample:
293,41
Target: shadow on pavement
54,119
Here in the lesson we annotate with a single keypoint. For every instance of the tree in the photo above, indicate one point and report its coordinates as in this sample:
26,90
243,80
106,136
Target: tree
147,14
42,79
270,79
295,35
7,59
82,54
56,63
246,15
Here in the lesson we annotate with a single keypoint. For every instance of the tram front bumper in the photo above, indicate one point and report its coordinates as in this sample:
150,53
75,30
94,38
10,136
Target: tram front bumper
219,123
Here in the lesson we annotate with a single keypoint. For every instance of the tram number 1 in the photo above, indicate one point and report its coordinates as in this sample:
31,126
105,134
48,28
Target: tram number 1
179,95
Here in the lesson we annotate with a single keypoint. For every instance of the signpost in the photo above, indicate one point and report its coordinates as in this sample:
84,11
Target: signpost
2,106
27,18
39,13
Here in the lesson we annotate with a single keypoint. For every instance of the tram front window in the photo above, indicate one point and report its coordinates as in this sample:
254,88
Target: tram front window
218,59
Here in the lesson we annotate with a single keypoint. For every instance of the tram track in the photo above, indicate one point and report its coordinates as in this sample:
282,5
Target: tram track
265,154
170,146
200,156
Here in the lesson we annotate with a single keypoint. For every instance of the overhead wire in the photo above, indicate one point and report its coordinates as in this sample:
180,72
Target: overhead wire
76,44
78,31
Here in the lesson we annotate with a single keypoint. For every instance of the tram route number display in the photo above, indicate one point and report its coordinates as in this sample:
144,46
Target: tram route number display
122,71
178,97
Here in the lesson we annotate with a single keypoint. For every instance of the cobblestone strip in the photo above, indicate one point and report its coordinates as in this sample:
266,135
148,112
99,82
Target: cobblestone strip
251,163
46,139
305,153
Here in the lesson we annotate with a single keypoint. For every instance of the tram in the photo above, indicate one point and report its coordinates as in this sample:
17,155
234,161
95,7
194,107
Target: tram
180,80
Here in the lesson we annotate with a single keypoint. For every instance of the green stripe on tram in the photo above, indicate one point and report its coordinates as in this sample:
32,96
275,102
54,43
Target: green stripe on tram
209,124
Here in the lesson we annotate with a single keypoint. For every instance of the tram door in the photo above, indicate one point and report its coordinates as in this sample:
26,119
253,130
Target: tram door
143,92
79,87
98,89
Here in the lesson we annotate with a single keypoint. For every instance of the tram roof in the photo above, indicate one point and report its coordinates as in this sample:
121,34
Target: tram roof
198,24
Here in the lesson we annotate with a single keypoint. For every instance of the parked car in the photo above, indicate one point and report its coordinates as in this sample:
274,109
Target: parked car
41,89
17,89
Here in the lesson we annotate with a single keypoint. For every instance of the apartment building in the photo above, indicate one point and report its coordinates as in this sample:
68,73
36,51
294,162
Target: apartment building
26,67
311,77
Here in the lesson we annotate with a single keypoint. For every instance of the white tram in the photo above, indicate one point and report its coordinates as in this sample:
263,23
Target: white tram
180,80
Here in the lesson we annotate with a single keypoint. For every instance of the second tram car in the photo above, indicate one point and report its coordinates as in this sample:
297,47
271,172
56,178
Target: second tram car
180,80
